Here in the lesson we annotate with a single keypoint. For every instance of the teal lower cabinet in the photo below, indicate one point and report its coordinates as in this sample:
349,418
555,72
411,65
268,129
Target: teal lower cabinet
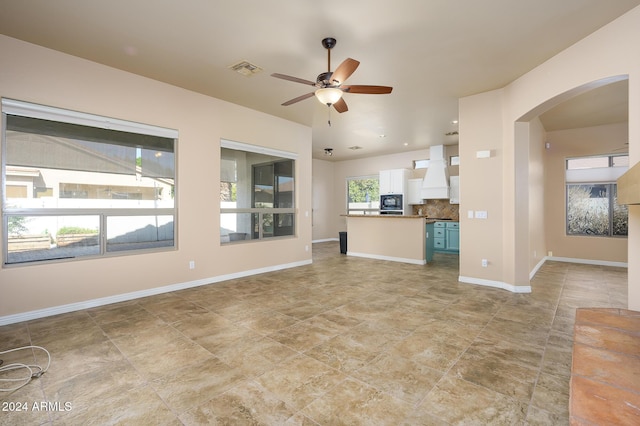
453,237
439,236
446,237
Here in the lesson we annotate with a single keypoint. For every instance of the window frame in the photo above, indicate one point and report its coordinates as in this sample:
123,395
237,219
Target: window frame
258,215
365,211
590,177
11,107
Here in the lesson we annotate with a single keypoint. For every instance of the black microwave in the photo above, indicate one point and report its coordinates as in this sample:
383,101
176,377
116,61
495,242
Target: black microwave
391,202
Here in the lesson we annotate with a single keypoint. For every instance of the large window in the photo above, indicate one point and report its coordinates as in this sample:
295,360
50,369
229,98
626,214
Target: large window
257,187
77,185
592,207
363,195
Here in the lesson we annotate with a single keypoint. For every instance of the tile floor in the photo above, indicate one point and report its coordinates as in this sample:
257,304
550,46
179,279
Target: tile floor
342,341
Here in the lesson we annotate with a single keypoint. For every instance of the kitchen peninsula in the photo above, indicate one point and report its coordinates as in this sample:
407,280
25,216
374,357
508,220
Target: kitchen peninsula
390,237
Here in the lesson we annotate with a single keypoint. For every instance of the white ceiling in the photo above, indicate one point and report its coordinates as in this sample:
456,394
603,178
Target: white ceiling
431,51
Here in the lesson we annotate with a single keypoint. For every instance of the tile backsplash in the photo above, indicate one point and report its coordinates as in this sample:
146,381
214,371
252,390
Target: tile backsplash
438,209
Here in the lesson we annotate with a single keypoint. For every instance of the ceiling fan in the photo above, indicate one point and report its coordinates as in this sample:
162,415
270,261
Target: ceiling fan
330,85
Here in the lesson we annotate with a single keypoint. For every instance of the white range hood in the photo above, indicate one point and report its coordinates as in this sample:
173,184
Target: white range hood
436,181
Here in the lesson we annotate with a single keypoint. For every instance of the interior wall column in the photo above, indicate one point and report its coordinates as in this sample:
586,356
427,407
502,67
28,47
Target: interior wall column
521,269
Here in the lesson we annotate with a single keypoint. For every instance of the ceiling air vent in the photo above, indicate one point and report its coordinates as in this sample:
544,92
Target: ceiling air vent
355,147
245,68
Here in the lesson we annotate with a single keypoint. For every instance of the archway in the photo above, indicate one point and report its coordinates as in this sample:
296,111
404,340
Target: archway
592,106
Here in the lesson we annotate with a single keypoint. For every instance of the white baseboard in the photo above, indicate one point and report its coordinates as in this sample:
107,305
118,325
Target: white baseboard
63,309
390,258
527,289
324,240
497,284
537,268
588,261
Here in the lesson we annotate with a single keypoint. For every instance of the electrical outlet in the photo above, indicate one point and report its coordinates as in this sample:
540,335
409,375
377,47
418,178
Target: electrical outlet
485,263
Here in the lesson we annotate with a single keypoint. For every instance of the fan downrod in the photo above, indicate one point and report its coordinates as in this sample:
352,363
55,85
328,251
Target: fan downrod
328,44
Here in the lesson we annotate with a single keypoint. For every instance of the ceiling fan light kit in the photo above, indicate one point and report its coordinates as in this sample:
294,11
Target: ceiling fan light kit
329,85
328,95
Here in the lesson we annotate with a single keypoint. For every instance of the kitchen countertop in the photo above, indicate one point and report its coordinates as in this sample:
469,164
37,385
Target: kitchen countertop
394,216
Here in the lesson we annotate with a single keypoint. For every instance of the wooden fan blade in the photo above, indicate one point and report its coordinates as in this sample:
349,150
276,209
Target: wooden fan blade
371,90
294,79
344,70
341,105
298,99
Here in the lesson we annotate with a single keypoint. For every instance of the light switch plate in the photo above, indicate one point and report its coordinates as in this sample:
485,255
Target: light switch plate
481,214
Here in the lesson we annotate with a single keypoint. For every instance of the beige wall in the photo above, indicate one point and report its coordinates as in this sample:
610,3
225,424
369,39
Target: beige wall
324,223
481,186
598,58
577,143
43,76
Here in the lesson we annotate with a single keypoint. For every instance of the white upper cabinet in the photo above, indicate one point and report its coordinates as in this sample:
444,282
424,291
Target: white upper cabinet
414,191
394,181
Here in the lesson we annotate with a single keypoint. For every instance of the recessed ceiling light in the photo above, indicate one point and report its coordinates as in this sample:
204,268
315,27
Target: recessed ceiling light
454,122
245,68
382,135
